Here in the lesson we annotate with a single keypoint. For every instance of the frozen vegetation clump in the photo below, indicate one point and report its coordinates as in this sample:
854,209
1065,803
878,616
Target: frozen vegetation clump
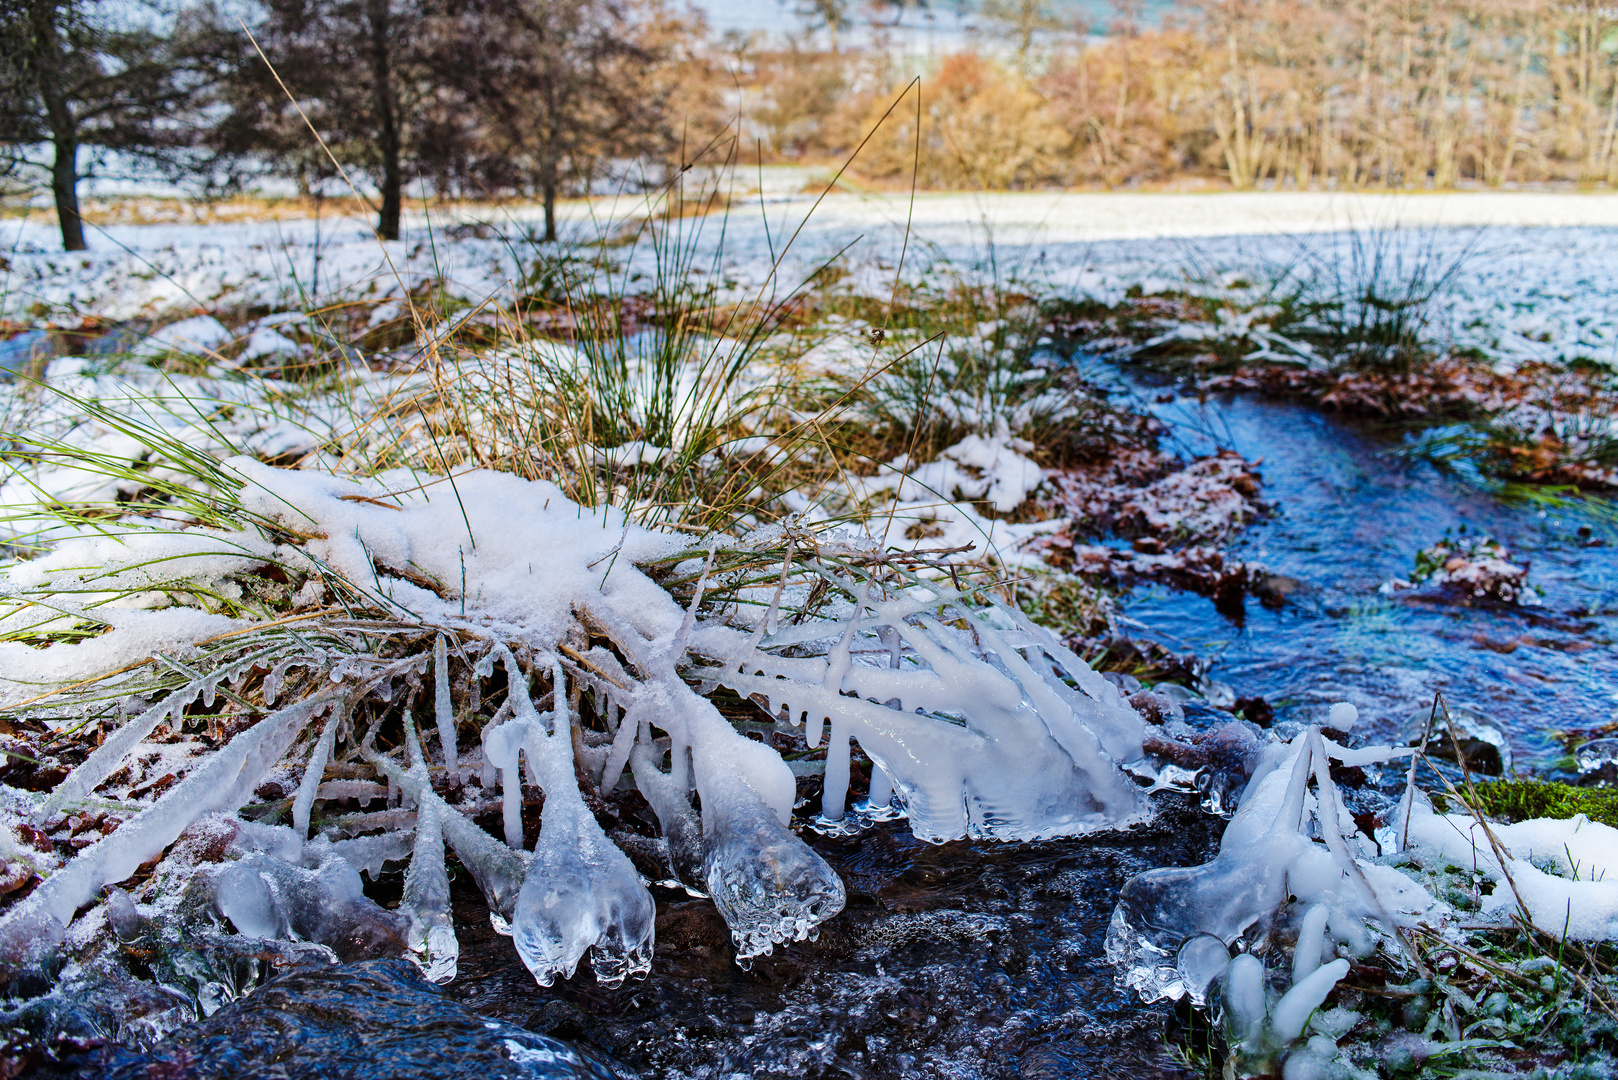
464,650
251,688
471,667
1290,853
1299,896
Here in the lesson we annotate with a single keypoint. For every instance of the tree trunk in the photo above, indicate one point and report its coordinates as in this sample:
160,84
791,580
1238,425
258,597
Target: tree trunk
48,63
378,15
548,132
65,187
548,188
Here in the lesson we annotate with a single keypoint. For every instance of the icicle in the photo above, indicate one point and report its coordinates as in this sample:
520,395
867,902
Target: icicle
243,896
1244,998
1246,882
126,922
530,771
326,905
837,666
1311,939
623,741
767,883
272,681
1292,1012
1081,740
683,635
497,869
1265,855
679,757
366,854
581,893
769,886
768,623
835,792
679,823
839,660
426,898
1331,831
304,801
105,759
500,748
1001,775
224,781
881,788
102,761
771,621
446,715
890,639
490,774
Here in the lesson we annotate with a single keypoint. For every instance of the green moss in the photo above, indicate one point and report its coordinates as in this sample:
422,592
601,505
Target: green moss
1519,800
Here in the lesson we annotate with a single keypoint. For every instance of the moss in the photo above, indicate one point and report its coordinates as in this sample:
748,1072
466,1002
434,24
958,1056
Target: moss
1519,800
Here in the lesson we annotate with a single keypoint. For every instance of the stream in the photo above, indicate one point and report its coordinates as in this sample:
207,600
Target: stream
971,960
1351,511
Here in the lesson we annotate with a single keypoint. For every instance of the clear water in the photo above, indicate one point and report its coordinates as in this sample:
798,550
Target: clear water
18,351
31,346
1352,510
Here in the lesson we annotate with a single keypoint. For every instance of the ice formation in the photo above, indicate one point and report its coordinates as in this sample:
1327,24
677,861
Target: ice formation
521,633
579,891
982,722
1269,869
1294,875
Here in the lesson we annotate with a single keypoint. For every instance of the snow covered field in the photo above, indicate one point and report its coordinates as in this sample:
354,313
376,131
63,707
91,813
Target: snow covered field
1536,274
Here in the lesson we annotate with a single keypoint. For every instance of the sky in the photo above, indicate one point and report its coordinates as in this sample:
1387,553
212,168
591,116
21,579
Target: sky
944,20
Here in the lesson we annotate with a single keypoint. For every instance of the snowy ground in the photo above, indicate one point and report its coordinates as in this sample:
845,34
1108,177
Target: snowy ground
1536,274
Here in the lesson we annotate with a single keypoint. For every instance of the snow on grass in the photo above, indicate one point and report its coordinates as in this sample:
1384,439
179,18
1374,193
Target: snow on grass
1538,273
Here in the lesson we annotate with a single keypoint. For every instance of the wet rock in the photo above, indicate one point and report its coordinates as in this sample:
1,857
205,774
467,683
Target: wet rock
1597,761
1468,569
1257,710
1463,734
1479,756
369,1020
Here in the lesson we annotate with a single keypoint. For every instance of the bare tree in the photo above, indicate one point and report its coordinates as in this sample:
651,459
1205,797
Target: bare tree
357,70
558,88
1021,23
832,14
77,75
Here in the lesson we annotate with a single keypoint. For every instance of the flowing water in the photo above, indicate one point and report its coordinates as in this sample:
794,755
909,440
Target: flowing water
1352,508
980,960
25,350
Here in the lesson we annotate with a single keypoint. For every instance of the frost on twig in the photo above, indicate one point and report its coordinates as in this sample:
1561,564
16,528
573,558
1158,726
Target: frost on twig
984,723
